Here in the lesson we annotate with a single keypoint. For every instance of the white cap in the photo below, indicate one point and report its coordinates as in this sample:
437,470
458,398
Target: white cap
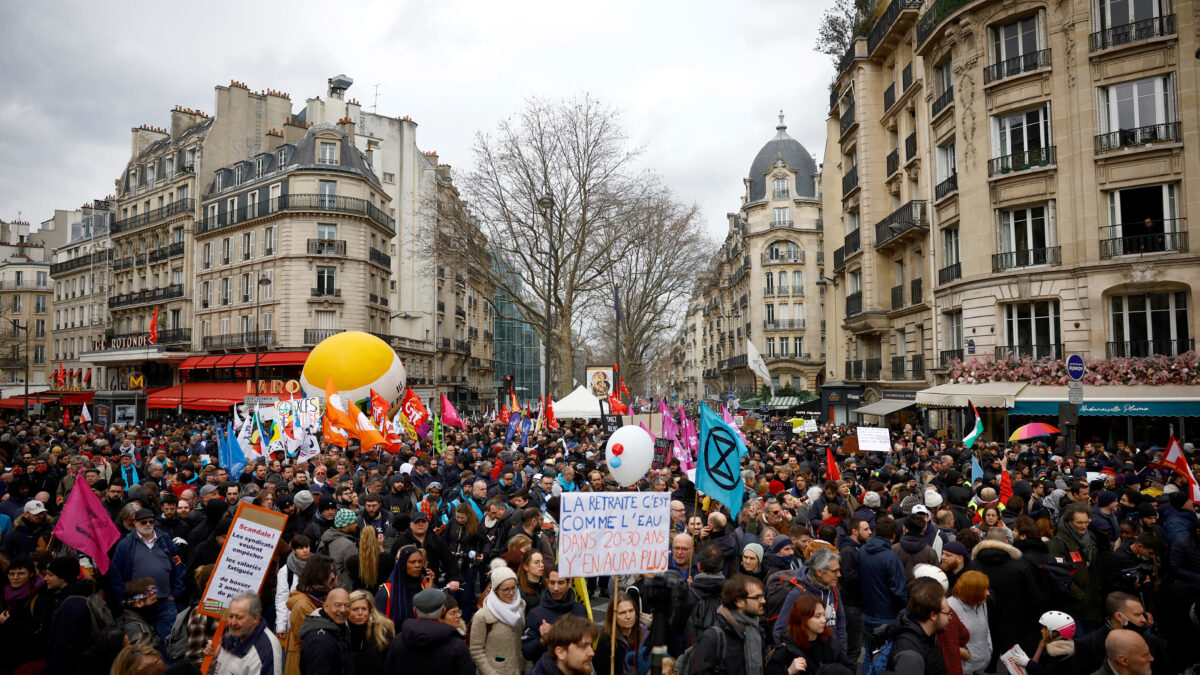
931,572
919,508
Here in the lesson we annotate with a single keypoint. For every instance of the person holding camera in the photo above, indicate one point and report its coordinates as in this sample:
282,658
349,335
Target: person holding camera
1133,569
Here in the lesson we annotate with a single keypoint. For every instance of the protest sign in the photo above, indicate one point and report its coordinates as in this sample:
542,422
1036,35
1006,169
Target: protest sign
611,533
245,557
739,421
662,450
874,439
610,423
780,430
810,426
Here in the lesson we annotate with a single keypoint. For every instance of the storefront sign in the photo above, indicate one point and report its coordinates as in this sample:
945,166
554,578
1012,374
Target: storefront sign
123,342
273,387
900,395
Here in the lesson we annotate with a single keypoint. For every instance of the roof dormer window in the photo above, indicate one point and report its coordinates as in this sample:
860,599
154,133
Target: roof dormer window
260,165
328,153
219,183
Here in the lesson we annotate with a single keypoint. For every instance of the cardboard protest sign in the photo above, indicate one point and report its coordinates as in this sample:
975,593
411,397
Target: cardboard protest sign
874,439
245,557
662,450
612,533
610,423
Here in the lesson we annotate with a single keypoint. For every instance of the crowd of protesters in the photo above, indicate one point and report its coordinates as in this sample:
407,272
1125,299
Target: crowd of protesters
1062,560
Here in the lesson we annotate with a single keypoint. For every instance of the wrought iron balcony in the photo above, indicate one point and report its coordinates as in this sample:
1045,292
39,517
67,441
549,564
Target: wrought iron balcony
889,97
1159,26
326,292
1027,258
854,303
850,181
912,215
462,346
915,287
918,366
839,258
1167,132
888,19
783,257
910,147
154,215
1025,63
1141,348
314,336
98,258
950,273
946,187
938,11
872,368
146,296
249,340
854,370
1046,351
331,247
948,355
1021,161
1138,238
167,252
941,102
853,242
379,257
893,162
848,119
784,324
898,367
298,202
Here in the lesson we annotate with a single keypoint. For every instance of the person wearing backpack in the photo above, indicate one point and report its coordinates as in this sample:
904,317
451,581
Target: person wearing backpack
704,595
913,648
72,622
881,580
733,645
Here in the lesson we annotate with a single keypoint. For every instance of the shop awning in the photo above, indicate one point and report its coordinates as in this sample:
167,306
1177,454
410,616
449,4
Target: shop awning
19,401
783,402
281,359
1114,401
78,397
199,396
984,395
199,362
885,406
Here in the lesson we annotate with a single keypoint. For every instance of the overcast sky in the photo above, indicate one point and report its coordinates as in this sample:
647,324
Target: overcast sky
699,84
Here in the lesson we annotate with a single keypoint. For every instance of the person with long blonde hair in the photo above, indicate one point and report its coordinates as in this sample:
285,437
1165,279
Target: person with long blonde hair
369,567
135,657
371,633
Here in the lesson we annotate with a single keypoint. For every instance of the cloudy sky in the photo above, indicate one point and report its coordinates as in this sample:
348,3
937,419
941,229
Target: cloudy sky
699,84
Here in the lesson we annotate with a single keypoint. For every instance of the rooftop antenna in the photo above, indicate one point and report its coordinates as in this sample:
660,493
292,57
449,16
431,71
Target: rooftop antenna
375,105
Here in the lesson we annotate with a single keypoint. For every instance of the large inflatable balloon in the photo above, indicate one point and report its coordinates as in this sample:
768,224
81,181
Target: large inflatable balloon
629,453
358,363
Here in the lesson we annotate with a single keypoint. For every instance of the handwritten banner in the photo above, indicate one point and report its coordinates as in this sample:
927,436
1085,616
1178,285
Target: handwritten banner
245,557
874,439
605,533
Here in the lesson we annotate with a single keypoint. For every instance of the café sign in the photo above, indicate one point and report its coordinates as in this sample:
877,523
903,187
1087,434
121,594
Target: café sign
273,387
122,342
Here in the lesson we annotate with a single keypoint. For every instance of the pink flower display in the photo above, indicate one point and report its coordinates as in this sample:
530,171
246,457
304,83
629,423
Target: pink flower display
1158,369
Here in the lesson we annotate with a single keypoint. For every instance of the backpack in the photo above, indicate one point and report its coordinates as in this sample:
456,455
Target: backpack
702,616
1058,576
686,663
778,586
177,641
880,660
104,630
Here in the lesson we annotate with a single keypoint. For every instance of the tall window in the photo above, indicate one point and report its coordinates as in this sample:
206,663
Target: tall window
947,163
1023,132
854,282
853,220
771,346
954,329
328,153
226,250
206,294
1114,13
1150,323
1016,39
1142,220
226,291
769,282
770,313
798,346
782,216
1026,234
1031,328
327,193
206,255
1137,112
779,188
260,165
783,282
326,231
325,280
39,304
783,347
268,289
269,240
247,245
943,77
797,281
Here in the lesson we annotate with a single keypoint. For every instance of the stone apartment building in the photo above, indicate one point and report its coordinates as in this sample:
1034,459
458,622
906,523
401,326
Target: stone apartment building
25,298
1014,182
82,276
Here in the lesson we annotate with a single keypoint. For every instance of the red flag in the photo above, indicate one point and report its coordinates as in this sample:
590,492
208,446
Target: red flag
831,467
60,375
550,421
415,413
87,377
85,526
152,337
512,397
615,405
624,389
66,417
1174,459
503,416
379,415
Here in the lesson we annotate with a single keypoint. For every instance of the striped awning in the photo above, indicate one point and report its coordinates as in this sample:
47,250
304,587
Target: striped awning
783,402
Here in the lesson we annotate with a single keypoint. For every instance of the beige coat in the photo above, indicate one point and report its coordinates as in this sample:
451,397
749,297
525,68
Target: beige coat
488,647
301,606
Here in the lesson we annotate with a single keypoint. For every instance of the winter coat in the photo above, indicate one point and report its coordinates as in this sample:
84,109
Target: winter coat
817,654
440,560
548,610
913,651
830,597
1176,523
25,537
1185,563
1016,595
325,646
913,550
496,646
340,546
299,606
1084,595
23,636
427,647
70,629
882,579
1090,652
979,642
259,654
705,650
121,569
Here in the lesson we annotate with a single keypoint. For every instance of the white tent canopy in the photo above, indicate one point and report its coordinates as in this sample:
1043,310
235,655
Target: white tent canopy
578,404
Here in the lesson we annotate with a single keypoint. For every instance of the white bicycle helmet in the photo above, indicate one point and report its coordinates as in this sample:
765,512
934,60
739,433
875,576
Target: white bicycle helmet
1059,622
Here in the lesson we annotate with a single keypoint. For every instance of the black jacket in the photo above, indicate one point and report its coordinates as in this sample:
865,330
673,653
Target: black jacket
548,610
428,647
1017,597
70,629
441,561
1090,653
706,647
325,646
23,636
913,651
818,654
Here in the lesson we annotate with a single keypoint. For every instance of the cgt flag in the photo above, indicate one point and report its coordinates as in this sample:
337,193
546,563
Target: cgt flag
719,470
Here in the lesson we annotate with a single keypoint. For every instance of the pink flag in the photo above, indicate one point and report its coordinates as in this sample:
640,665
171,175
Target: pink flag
450,415
691,442
643,425
728,419
85,526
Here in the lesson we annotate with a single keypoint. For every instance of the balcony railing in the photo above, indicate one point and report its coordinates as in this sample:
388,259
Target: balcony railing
379,257
853,242
325,292
872,368
950,273
940,103
1141,348
948,355
887,20
898,296
335,247
839,258
1021,161
1024,63
893,162
154,215
99,258
915,286
906,77
946,187
248,340
1137,238
889,97
935,15
784,324
854,370
848,119
910,147
898,367
1048,351
782,257
918,366
854,303
1167,132
298,202
1027,258
1137,31
849,181
912,215
314,336
166,252
462,346
143,297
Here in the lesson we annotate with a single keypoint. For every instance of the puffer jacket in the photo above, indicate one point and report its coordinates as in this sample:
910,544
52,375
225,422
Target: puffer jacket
1017,597
882,580
913,550
325,646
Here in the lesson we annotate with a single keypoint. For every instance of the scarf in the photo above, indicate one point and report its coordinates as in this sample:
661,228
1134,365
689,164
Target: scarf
295,564
508,614
1087,545
404,588
747,628
15,596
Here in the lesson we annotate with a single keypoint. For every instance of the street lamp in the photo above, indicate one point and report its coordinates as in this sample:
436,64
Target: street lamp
822,281
546,204
17,326
263,282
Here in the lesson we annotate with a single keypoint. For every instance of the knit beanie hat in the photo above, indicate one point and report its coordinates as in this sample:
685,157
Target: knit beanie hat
500,575
756,549
343,518
871,500
779,543
65,568
303,500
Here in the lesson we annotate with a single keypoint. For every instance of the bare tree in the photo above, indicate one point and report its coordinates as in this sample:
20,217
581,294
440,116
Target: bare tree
653,282
576,152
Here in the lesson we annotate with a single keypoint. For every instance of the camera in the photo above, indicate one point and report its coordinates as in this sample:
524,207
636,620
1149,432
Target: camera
1142,573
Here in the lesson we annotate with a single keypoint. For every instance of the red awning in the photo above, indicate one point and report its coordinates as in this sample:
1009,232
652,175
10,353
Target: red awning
78,397
19,401
199,396
282,359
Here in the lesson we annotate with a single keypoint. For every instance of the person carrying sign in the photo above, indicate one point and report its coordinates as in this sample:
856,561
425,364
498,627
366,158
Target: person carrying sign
248,646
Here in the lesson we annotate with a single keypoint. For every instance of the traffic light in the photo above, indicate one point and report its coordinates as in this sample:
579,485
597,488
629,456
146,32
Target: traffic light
508,381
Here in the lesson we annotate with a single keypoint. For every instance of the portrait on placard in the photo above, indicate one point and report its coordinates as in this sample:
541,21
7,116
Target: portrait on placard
599,380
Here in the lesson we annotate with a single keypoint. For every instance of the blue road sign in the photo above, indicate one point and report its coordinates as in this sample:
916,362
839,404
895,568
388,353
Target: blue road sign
1075,367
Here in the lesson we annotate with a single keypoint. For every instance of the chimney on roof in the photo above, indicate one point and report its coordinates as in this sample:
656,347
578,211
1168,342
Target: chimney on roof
338,84
347,125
